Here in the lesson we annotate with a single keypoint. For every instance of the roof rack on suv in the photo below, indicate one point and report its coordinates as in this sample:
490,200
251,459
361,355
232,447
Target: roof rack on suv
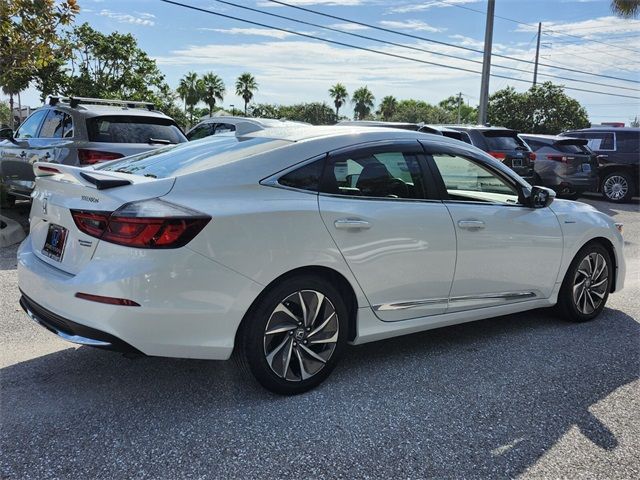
75,101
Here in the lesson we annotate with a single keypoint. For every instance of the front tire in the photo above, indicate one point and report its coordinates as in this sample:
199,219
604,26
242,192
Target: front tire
292,338
586,285
618,187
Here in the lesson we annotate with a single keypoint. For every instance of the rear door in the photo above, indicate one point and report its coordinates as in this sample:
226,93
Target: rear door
397,239
506,252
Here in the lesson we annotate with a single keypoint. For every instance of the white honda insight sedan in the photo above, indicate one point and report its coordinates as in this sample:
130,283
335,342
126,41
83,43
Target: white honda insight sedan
284,245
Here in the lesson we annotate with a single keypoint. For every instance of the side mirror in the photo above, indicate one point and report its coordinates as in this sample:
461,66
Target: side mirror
6,133
539,197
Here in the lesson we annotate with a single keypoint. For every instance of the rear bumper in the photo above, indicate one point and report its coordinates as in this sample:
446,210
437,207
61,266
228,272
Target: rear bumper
71,331
191,307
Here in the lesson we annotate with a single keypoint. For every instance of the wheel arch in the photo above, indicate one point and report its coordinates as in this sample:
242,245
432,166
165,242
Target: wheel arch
336,278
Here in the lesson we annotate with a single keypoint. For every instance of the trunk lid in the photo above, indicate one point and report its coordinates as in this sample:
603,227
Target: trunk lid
60,189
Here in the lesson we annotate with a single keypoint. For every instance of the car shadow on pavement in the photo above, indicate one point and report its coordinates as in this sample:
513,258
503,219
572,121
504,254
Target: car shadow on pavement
487,398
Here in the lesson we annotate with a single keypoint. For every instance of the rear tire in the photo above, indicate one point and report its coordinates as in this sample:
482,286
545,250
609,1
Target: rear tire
294,335
586,285
618,186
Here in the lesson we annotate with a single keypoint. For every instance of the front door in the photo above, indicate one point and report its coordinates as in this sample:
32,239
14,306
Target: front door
506,252
397,239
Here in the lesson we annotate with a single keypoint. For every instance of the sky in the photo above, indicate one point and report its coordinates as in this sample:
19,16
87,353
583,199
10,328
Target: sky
577,34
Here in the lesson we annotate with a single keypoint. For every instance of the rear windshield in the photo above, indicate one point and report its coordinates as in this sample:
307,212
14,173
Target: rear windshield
189,157
572,148
133,129
503,140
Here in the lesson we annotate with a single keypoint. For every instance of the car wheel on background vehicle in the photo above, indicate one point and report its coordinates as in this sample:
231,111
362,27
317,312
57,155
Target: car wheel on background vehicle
586,285
618,186
293,337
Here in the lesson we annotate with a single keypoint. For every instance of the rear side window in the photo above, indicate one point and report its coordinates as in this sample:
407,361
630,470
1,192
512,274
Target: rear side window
29,129
628,142
306,177
57,125
132,129
601,140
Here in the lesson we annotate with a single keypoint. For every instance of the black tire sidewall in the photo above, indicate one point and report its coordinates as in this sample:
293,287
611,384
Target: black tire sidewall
567,306
630,183
254,324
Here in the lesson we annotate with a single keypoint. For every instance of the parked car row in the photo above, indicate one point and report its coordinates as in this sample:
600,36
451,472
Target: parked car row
83,132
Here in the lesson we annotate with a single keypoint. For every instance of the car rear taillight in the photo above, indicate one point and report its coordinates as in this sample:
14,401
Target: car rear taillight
557,158
147,224
498,155
532,157
89,157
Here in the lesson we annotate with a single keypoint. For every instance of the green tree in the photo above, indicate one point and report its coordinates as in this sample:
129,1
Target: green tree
191,89
387,108
265,110
417,111
544,108
213,89
626,8
316,113
31,38
454,104
363,101
246,85
339,95
5,114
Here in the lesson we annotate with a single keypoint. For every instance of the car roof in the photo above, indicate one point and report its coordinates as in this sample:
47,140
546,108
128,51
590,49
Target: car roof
605,128
263,122
91,110
541,136
481,128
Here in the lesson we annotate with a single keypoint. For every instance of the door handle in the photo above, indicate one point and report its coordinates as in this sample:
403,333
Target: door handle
351,224
471,224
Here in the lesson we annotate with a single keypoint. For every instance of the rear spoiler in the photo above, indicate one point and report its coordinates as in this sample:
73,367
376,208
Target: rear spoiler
83,176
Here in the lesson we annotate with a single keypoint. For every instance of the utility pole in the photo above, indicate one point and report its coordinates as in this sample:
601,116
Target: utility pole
486,63
535,68
459,106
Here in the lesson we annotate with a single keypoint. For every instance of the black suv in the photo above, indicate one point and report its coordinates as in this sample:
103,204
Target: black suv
503,144
618,150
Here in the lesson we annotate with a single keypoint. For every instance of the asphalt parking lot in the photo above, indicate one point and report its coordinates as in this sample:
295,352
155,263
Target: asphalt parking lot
522,395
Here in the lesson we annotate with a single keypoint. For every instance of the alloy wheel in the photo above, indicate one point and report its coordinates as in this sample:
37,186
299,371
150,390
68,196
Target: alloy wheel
301,335
590,283
615,187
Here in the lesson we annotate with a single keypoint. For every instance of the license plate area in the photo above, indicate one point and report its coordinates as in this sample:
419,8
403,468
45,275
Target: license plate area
516,162
55,242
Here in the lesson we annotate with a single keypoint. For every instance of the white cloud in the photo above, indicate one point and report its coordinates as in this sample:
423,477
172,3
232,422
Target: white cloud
142,19
418,25
262,32
587,28
418,7
349,26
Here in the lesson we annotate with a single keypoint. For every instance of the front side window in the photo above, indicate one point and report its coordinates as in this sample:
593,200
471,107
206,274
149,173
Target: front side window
628,142
466,180
57,125
29,129
393,175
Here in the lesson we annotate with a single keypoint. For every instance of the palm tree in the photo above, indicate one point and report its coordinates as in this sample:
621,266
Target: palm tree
245,86
191,90
625,8
363,100
214,89
388,107
339,95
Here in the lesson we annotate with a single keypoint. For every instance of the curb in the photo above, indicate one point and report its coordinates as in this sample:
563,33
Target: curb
11,232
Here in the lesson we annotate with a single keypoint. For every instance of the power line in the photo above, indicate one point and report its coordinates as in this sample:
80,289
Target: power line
439,42
410,47
534,26
388,54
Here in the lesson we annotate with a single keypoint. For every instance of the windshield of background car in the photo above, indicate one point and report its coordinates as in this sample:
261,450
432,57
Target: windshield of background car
572,148
189,157
503,140
133,129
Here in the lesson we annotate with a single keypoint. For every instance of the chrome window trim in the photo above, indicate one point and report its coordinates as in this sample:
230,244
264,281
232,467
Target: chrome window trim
355,197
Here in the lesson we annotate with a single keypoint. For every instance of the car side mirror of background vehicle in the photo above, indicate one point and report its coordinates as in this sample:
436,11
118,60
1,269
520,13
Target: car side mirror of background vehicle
6,133
539,197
